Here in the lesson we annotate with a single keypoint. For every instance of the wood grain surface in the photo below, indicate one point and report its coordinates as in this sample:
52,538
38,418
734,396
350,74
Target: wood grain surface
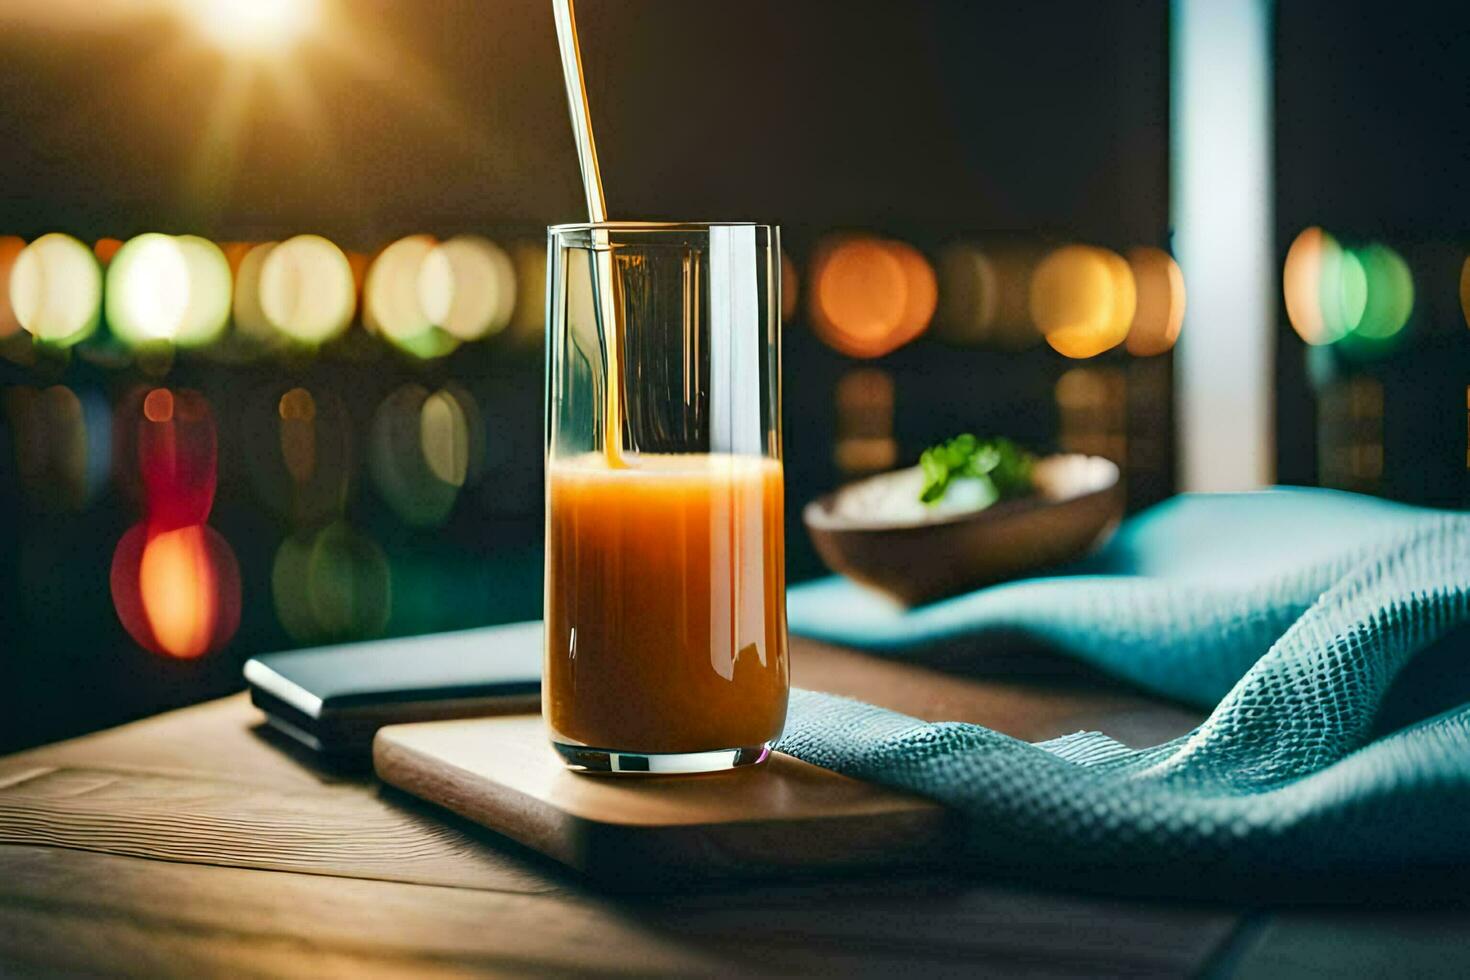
115,888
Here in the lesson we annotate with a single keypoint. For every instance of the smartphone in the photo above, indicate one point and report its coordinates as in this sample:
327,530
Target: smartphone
333,699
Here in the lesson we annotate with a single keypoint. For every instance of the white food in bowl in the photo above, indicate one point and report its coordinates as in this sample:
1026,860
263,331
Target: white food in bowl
893,498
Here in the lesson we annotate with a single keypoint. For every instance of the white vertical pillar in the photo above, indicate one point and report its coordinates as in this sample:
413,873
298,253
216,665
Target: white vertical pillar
1220,153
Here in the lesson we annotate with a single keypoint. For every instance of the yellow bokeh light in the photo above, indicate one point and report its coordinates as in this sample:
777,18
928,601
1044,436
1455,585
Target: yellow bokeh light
1083,300
444,437
252,25
467,287
56,290
306,289
1159,315
394,294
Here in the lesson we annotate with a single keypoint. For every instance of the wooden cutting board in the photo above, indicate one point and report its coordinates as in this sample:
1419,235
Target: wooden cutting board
643,832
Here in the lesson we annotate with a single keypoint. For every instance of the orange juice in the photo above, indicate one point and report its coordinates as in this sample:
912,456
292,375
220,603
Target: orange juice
665,602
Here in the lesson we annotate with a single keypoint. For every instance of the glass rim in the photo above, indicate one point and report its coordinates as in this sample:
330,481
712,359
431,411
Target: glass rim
651,226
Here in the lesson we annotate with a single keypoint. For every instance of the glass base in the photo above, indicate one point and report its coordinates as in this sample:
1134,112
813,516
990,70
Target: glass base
583,758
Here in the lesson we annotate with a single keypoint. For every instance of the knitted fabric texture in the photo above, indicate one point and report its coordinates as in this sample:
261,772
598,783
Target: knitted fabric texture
1295,651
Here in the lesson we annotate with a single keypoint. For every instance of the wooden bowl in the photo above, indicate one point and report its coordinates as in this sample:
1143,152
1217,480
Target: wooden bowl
1077,505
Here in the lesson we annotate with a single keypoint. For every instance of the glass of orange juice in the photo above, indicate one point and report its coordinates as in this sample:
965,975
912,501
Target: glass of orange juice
665,551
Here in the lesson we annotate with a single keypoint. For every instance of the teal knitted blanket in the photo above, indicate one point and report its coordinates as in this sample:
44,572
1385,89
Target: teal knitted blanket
1290,613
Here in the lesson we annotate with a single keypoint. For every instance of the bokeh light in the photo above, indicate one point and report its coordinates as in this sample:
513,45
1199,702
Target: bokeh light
869,296
167,288
56,290
1360,298
467,287
967,295
1083,300
423,448
528,322
60,442
393,298
1388,287
253,332
306,289
177,457
106,248
790,286
15,343
1159,314
331,585
177,591
1465,290
985,295
865,442
252,26
1311,272
299,448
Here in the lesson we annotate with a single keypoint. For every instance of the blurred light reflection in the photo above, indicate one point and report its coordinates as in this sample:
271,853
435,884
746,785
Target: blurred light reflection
176,592
422,449
1159,314
1083,300
331,585
870,296
306,289
56,290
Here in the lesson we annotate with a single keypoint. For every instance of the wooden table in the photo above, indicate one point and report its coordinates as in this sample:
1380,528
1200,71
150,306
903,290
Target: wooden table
197,843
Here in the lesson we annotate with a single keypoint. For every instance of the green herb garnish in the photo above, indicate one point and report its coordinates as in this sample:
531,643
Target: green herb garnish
1002,465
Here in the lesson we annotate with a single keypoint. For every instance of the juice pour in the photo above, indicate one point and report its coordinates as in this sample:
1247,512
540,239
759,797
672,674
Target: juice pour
665,573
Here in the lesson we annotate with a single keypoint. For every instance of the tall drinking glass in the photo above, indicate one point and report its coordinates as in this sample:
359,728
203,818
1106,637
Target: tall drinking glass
665,555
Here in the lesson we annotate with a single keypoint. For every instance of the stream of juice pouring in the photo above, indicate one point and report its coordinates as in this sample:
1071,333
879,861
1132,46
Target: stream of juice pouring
602,265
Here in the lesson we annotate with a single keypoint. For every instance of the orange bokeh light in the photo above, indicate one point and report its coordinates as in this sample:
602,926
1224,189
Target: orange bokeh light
788,286
1465,290
1307,261
869,296
10,249
1160,309
106,248
177,583
177,592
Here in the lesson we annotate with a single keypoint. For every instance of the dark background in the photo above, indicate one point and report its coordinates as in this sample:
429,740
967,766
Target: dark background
927,121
